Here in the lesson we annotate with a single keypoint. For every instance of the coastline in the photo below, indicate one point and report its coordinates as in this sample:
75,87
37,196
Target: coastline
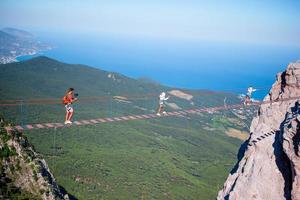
22,57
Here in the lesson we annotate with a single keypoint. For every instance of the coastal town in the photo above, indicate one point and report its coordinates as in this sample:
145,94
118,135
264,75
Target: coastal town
16,43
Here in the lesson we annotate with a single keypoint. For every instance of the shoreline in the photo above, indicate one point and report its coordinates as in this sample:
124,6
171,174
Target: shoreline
38,53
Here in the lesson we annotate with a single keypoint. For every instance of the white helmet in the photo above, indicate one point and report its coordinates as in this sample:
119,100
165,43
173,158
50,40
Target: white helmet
163,94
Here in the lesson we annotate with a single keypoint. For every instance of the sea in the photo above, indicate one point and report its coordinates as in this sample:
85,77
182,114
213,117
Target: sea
219,66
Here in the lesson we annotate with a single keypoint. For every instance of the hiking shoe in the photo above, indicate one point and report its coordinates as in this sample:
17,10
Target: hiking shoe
68,122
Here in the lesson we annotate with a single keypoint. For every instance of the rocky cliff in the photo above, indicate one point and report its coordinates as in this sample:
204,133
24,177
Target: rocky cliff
23,173
268,165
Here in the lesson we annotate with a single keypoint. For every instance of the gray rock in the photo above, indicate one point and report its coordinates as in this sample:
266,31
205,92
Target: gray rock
31,172
298,118
291,139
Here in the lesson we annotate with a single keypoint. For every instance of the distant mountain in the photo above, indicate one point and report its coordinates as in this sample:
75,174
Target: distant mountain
42,77
15,42
5,37
18,33
182,157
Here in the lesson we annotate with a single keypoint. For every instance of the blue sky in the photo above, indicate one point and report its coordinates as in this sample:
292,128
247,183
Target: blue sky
256,22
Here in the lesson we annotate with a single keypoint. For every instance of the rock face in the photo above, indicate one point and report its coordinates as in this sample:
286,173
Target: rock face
269,162
290,141
23,172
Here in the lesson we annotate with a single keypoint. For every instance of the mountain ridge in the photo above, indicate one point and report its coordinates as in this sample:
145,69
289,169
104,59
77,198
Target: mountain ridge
43,66
17,32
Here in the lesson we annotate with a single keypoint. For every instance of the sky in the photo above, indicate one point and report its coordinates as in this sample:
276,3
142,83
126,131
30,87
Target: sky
256,22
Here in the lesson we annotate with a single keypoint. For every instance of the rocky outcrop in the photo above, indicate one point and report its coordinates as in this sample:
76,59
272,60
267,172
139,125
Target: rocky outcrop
269,162
290,141
24,174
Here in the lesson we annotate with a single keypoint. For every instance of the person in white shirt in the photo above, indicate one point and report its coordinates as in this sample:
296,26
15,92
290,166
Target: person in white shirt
162,100
249,95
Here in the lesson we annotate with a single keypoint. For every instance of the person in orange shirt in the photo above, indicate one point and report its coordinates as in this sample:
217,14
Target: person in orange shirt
68,100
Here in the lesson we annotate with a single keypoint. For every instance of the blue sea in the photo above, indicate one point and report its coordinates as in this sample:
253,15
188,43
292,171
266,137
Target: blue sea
218,66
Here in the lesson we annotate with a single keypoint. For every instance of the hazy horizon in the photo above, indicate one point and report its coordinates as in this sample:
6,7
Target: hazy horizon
193,44
255,22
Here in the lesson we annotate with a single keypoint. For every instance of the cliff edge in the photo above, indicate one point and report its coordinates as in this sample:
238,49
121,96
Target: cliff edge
268,162
24,174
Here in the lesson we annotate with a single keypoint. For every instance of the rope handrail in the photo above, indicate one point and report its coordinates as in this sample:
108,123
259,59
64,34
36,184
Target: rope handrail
90,99
144,116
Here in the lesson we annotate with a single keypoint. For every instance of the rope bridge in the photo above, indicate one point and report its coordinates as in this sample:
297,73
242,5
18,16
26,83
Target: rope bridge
138,117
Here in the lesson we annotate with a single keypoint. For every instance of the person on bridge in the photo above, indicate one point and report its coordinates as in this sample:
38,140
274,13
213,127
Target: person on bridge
68,100
249,95
162,100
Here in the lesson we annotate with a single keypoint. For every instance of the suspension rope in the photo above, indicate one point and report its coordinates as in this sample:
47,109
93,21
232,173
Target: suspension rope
145,116
93,99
